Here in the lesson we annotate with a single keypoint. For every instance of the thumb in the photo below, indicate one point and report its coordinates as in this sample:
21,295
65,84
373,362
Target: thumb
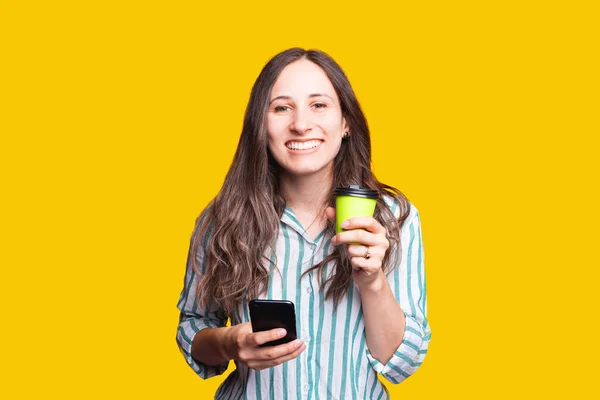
330,213
245,327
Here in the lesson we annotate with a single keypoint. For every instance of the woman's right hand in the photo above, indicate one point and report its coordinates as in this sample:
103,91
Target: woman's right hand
243,345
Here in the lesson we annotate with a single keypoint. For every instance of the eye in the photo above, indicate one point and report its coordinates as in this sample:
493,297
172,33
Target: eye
281,108
319,105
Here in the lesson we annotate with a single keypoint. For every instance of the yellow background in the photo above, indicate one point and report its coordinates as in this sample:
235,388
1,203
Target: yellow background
118,122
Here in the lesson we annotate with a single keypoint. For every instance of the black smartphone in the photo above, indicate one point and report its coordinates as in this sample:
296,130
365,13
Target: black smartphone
270,314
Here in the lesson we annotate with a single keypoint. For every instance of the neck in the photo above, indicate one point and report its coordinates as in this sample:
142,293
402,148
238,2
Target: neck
307,194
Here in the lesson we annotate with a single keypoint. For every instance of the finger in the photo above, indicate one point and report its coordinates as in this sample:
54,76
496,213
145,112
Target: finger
368,266
290,356
368,223
330,213
241,333
244,327
257,338
275,352
355,250
262,364
357,236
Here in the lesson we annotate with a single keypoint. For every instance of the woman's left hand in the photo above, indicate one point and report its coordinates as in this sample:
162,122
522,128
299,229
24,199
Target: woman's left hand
367,244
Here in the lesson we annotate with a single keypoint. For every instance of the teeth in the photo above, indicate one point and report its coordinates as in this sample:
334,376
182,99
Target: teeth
311,144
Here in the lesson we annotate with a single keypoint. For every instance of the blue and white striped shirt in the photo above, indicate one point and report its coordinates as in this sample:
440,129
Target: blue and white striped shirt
336,363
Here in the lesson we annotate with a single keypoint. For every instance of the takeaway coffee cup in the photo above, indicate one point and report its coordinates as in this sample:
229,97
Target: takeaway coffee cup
353,201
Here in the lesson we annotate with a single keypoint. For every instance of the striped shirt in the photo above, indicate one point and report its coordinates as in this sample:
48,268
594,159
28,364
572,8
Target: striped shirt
336,363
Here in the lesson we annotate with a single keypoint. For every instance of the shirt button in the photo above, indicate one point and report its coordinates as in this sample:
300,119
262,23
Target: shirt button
308,290
305,387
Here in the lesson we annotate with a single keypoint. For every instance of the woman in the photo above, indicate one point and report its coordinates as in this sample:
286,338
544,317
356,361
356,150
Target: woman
269,233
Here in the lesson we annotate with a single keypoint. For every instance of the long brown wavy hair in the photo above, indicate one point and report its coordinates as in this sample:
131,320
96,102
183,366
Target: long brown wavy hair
242,221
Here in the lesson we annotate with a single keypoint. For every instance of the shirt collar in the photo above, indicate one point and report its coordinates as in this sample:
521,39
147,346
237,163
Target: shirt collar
289,218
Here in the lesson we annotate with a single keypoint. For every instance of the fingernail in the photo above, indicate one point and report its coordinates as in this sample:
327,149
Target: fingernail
281,333
333,240
345,224
299,343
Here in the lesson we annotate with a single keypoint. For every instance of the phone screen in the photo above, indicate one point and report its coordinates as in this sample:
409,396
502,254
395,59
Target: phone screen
270,314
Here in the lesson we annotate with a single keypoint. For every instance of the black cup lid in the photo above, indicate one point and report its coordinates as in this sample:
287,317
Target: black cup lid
356,191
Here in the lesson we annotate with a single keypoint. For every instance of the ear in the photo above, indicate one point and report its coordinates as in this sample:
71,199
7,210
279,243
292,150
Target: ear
345,126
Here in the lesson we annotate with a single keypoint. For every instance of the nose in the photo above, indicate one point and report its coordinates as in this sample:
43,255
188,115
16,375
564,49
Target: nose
300,121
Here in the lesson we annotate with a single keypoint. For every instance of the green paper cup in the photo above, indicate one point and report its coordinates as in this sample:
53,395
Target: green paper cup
353,201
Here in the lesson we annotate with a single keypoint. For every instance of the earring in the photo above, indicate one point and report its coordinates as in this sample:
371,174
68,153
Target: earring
346,135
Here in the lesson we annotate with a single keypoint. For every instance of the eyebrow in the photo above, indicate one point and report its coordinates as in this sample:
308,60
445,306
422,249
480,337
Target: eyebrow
310,95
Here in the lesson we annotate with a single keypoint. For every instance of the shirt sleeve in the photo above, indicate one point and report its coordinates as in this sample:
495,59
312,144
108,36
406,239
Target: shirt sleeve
407,281
193,318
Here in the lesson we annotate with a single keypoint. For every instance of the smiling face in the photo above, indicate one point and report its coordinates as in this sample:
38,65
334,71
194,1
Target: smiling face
304,123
